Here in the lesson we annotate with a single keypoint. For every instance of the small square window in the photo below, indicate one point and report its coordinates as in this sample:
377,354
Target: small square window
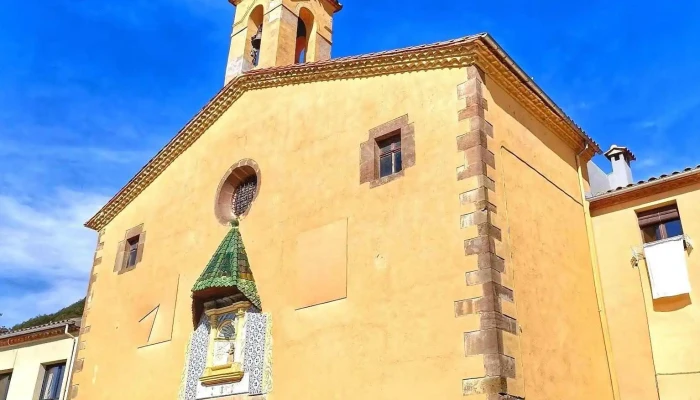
130,250
389,150
660,223
5,384
389,155
53,380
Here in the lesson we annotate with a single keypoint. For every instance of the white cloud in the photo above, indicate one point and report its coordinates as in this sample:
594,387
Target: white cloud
84,154
61,293
43,238
649,162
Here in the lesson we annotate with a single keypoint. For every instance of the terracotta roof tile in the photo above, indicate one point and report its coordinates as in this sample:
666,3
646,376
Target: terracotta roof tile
648,180
50,325
361,57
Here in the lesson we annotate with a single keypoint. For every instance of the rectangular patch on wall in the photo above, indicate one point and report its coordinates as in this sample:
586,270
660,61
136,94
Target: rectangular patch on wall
321,265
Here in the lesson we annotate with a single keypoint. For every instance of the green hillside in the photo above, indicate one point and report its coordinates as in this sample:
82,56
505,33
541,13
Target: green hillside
74,310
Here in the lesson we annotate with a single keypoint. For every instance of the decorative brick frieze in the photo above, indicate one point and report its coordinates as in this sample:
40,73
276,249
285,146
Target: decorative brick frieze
497,328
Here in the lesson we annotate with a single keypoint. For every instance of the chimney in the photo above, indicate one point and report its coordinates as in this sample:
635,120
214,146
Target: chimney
620,157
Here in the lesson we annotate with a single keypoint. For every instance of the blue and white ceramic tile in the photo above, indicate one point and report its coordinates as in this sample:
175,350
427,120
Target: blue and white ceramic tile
255,351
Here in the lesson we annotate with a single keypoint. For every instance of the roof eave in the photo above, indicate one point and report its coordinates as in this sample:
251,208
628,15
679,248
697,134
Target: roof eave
507,60
644,189
41,328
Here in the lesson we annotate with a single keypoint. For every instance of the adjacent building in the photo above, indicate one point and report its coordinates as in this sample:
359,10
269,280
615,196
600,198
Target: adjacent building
644,233
36,363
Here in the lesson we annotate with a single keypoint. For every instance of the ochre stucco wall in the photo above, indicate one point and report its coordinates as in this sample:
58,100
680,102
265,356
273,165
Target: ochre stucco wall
26,364
562,350
640,326
395,335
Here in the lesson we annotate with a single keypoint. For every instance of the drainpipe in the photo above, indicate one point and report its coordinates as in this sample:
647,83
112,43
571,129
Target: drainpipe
71,361
596,278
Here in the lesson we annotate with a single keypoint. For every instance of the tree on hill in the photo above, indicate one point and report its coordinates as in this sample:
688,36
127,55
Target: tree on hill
2,328
74,310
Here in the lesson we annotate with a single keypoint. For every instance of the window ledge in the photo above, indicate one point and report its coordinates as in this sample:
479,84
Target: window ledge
386,179
686,240
127,269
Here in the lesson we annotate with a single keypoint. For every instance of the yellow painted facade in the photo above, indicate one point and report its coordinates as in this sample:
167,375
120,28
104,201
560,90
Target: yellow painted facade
654,341
26,362
454,278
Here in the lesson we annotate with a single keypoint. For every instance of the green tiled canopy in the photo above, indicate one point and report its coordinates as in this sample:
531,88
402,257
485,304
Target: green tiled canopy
228,268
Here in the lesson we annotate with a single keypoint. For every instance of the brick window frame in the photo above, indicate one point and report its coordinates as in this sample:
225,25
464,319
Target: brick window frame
135,236
232,178
369,150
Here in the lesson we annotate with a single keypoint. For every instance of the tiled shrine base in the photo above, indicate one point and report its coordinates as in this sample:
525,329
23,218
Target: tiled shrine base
257,363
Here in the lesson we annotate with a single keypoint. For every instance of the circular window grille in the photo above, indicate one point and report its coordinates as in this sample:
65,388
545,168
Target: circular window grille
237,191
243,195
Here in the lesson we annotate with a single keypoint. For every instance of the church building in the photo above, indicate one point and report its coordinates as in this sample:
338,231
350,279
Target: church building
409,224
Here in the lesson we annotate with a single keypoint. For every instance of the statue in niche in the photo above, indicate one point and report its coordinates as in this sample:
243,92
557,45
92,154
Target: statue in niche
224,346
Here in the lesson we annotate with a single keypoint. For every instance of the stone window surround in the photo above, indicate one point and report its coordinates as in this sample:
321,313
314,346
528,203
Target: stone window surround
138,233
369,150
224,193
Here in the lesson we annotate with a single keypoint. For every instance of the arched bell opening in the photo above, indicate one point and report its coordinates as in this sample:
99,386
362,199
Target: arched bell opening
255,29
305,29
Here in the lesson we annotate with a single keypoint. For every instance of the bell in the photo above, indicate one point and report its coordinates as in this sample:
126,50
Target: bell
255,40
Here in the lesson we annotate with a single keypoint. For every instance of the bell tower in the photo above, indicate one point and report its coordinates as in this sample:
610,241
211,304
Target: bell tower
269,33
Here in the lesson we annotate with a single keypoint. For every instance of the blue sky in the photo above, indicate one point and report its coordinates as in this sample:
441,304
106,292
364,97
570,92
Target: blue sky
90,90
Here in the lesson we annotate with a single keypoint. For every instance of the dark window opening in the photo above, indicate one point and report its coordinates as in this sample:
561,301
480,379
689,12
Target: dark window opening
389,155
660,223
255,46
243,195
301,43
5,385
53,378
132,251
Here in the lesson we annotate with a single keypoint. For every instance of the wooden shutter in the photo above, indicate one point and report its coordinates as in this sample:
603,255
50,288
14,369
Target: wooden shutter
119,262
658,215
139,250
